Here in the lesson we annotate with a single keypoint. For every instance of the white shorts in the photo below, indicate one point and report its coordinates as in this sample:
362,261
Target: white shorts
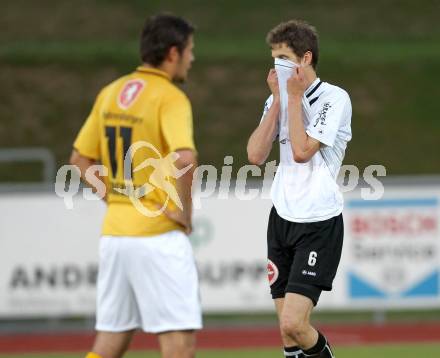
149,283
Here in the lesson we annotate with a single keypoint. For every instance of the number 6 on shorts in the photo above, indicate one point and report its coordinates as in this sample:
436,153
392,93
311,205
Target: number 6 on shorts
312,258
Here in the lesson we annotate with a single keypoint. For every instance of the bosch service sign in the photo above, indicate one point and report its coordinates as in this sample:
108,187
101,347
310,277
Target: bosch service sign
393,248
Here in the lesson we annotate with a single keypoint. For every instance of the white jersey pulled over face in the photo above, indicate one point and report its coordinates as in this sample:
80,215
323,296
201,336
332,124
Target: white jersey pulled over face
308,192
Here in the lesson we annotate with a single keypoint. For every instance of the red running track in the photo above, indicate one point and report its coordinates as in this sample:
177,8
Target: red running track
226,338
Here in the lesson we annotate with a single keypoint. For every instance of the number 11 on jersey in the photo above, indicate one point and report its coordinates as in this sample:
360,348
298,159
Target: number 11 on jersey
116,156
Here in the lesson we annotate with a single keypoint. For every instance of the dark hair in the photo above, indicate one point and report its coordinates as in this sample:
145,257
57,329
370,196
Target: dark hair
160,33
299,36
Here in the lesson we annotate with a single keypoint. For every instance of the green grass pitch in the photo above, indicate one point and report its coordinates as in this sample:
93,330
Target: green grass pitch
377,351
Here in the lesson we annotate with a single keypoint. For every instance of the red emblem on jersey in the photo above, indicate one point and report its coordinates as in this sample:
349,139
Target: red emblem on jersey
272,272
130,92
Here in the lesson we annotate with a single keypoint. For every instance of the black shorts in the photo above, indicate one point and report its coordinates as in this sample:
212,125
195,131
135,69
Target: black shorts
303,257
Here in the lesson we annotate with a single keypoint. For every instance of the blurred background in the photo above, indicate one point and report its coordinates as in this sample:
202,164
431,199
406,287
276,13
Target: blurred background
56,55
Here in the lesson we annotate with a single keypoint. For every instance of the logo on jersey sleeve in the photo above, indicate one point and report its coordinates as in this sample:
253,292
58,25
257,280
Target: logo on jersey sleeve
322,115
129,93
272,272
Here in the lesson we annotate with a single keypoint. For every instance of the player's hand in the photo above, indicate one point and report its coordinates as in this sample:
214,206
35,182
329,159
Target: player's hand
296,84
181,218
272,81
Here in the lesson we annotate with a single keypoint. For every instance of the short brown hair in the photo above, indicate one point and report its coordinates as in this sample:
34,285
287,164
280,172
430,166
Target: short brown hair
160,33
299,36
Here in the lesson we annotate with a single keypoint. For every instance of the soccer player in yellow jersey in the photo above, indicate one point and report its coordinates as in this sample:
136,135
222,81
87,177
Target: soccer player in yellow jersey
140,130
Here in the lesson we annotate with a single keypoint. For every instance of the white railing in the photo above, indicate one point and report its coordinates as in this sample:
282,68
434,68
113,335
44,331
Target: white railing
30,154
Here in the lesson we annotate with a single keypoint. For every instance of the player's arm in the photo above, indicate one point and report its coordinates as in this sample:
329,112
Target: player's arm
187,158
177,130
260,141
304,147
82,162
91,177
86,152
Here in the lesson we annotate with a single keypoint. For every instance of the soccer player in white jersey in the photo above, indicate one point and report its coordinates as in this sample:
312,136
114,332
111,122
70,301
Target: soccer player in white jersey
311,120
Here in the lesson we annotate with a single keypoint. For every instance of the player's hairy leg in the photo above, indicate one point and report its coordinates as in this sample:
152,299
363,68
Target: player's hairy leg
295,320
287,340
177,344
112,344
